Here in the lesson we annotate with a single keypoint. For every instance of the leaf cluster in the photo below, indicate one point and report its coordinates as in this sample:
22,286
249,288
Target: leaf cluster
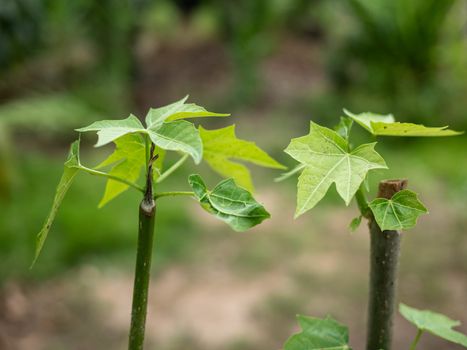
328,157
140,147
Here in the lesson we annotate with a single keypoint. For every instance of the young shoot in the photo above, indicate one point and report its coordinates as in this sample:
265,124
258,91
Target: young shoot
137,162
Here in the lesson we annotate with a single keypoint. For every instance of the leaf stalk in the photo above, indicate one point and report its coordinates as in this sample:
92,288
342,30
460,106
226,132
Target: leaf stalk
173,194
416,340
362,202
112,177
172,169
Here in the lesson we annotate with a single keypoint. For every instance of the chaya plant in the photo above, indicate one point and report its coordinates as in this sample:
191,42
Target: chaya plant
327,156
138,148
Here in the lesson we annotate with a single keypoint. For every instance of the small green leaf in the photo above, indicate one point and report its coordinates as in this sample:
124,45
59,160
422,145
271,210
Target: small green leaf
385,125
398,213
130,157
221,146
319,334
110,130
230,203
344,127
355,223
327,161
71,168
178,110
179,135
435,323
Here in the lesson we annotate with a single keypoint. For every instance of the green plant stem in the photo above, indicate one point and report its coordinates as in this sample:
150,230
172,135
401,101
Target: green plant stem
172,168
384,261
416,340
173,193
362,202
147,148
147,214
113,177
142,275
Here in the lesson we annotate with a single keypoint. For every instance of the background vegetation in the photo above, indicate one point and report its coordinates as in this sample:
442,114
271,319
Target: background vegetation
274,65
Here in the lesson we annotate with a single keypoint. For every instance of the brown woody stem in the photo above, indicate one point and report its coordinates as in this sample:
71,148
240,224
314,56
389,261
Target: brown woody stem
384,261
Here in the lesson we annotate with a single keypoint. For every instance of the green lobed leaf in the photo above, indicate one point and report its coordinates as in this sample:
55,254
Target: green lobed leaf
178,110
435,323
71,168
327,160
178,135
385,125
221,147
319,334
128,158
110,130
398,213
229,203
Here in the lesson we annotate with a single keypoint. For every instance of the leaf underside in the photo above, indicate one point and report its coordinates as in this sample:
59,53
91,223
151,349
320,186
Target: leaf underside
229,203
164,128
398,213
326,160
71,168
180,136
435,323
110,130
385,125
319,334
178,110
222,147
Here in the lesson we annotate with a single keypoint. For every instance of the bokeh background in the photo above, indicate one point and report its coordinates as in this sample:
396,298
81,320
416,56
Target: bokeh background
274,65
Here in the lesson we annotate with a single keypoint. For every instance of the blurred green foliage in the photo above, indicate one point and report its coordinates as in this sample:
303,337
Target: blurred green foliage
394,40
402,56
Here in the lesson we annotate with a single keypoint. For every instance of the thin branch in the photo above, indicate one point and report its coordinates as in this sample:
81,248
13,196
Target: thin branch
172,169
